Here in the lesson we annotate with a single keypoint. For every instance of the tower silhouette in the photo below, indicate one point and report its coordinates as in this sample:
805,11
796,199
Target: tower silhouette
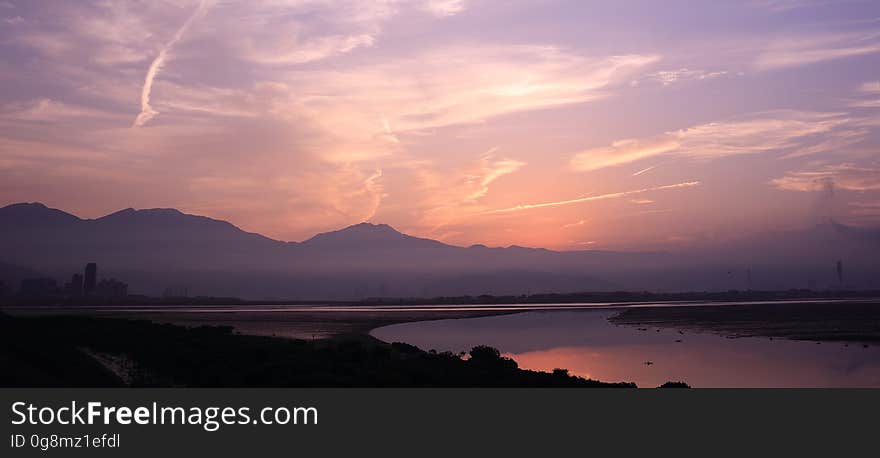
91,278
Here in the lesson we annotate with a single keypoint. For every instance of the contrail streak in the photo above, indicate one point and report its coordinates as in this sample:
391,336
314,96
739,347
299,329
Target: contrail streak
644,171
614,195
147,112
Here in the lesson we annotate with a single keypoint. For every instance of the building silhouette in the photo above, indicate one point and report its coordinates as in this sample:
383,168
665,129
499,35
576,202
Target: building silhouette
111,287
75,286
176,291
91,278
39,287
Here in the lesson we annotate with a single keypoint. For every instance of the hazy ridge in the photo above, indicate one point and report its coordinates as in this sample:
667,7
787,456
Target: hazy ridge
155,248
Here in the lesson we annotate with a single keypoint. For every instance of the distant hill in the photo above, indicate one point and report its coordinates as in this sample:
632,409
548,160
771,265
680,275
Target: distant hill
366,236
155,248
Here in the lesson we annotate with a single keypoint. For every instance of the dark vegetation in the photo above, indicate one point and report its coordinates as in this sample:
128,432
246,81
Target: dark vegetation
674,385
65,351
829,321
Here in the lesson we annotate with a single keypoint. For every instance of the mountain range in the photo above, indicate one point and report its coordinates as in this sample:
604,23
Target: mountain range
157,248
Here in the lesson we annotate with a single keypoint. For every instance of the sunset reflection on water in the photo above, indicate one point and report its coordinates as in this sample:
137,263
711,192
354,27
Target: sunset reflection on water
587,345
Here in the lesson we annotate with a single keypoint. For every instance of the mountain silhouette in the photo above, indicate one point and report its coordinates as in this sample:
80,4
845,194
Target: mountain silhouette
34,214
168,223
155,248
367,236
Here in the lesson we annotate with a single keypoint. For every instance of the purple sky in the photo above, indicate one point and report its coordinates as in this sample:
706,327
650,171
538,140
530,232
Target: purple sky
564,124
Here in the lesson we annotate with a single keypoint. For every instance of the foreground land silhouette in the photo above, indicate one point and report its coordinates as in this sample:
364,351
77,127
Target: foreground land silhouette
68,351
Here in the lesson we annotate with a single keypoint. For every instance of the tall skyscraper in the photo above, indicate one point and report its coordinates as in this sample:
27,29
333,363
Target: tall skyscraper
91,278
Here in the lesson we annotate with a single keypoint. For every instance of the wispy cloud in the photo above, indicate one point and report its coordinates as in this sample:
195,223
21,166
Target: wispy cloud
274,35
472,83
779,6
784,6
780,131
614,195
842,176
805,50
315,49
868,96
373,188
47,110
645,170
318,196
839,141
147,112
490,170
449,196
445,87
623,152
444,8
668,77
872,87
296,116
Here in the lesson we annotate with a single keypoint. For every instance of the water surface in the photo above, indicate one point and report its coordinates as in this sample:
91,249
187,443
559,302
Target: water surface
586,344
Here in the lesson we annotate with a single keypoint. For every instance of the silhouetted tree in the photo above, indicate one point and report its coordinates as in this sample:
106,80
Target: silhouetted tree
484,355
674,385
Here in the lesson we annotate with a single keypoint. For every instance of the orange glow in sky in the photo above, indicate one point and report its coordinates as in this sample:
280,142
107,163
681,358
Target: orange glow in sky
562,124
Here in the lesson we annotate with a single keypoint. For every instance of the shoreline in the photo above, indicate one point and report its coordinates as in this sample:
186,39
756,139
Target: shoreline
803,319
82,351
301,324
846,322
341,348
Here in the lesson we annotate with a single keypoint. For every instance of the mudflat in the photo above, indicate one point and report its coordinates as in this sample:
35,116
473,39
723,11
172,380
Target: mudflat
818,321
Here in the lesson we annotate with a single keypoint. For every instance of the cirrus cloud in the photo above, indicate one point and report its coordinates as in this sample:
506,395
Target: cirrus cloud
846,176
778,131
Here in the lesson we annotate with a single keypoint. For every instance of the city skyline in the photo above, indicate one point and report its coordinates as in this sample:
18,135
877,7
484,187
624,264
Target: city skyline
160,249
559,124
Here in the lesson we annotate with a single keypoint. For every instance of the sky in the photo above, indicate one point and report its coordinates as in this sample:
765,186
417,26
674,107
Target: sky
566,124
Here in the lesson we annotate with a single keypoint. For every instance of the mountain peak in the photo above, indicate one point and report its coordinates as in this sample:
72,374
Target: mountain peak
367,235
29,212
370,227
158,216
360,232
130,212
170,219
25,206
